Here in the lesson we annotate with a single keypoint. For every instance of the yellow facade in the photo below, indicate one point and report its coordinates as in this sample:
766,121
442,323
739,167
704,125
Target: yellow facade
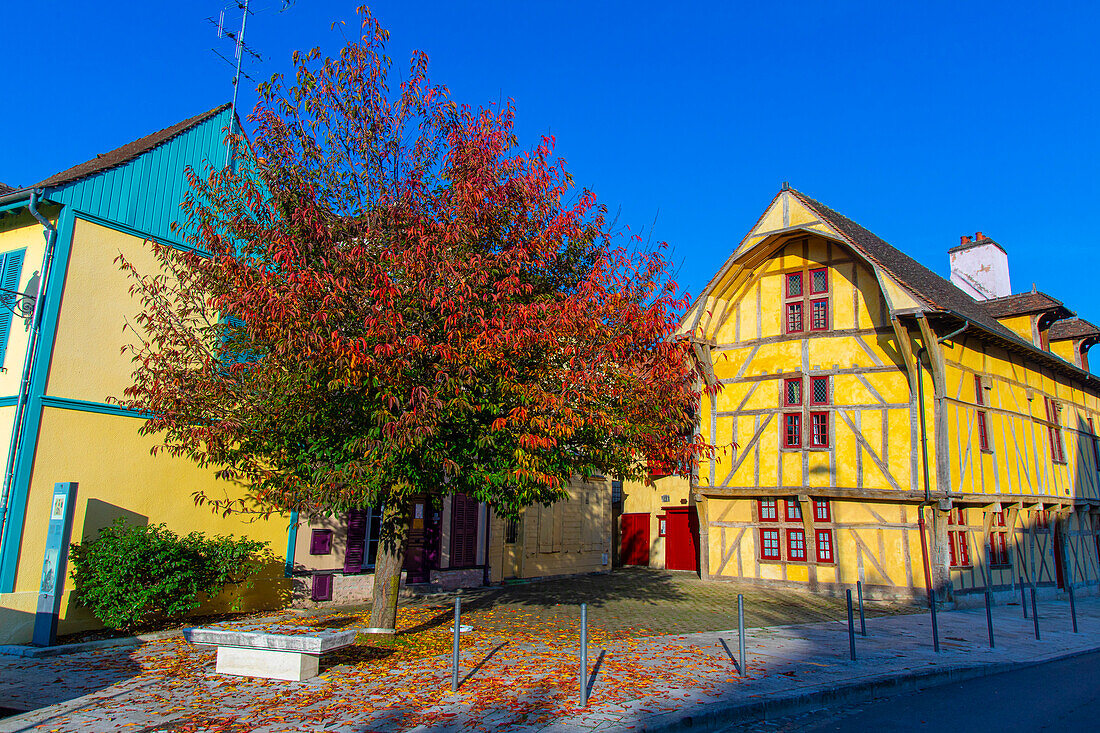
811,334
83,438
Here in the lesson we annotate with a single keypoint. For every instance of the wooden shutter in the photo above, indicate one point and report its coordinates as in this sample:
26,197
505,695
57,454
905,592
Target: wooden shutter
357,541
322,588
11,265
464,512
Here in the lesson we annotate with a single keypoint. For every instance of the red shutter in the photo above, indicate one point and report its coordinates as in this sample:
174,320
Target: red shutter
357,541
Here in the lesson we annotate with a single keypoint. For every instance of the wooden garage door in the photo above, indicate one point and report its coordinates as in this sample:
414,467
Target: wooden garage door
635,539
682,540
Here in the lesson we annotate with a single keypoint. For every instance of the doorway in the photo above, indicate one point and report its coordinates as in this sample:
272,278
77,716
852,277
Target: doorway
635,538
682,539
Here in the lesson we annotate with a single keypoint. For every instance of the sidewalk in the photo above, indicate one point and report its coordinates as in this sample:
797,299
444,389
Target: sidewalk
520,675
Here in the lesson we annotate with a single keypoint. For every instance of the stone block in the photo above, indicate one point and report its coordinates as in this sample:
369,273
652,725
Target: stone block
268,663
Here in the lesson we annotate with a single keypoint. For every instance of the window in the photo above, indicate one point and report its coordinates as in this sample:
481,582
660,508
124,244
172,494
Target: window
821,511
820,390
320,542
794,510
797,301
511,531
820,433
321,588
1095,448
11,267
792,392
662,526
979,399
769,511
819,281
824,544
1054,431
956,538
769,544
792,429
796,544
998,548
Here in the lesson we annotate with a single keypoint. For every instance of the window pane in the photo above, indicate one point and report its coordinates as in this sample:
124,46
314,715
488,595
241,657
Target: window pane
796,544
794,510
824,545
820,281
978,396
821,510
794,391
769,544
793,431
768,511
820,429
820,320
794,284
821,390
794,317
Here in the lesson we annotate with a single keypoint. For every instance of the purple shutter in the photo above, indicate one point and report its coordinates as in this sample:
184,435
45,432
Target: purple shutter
320,542
322,588
463,531
357,541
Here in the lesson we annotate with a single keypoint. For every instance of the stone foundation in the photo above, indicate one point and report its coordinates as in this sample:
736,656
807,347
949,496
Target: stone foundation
347,590
460,578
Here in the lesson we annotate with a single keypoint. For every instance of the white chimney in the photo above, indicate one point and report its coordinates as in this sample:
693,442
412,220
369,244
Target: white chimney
979,268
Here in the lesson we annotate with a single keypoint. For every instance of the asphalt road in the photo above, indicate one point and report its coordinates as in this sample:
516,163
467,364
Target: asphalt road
1058,696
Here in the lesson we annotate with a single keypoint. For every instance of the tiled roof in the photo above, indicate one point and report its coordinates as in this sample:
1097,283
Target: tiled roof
127,152
5,189
1072,328
1022,304
936,291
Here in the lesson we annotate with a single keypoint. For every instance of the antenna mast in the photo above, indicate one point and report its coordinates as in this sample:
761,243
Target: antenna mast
236,80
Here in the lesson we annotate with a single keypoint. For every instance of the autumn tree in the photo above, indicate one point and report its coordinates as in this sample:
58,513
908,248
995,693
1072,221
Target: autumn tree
390,298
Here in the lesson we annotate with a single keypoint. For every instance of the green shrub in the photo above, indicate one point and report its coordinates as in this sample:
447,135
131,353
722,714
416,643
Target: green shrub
141,576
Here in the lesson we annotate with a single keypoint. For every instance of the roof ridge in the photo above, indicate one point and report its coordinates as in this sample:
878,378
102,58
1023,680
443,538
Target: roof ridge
129,151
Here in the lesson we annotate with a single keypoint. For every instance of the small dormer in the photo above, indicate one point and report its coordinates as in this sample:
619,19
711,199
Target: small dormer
979,267
1029,315
1072,338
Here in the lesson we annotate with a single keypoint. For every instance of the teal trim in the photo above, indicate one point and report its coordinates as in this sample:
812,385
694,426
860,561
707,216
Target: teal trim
9,401
24,460
173,243
103,408
291,541
20,204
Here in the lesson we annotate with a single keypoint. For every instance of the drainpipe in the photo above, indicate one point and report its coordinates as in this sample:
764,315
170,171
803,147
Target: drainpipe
924,458
50,234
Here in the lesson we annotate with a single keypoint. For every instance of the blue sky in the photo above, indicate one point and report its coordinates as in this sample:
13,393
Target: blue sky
921,121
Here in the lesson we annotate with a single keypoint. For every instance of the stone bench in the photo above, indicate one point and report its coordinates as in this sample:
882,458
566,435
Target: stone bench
279,654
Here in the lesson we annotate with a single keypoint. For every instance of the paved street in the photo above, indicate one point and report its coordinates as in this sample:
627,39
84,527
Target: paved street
1003,703
519,670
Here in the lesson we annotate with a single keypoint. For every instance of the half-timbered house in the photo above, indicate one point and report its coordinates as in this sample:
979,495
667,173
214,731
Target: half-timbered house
883,425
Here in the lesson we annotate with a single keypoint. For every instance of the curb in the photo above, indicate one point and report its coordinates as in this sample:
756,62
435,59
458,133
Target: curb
779,707
37,652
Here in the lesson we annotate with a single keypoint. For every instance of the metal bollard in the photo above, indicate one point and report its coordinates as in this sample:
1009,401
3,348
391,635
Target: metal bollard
862,620
851,627
989,615
1034,612
454,650
935,625
1072,609
1023,600
584,655
741,631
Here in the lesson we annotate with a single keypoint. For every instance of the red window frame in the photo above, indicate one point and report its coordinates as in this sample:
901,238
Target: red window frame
814,381
794,277
769,506
821,511
1095,448
983,433
825,271
998,519
765,552
823,324
792,430
998,547
979,395
787,383
794,510
794,310
819,430
824,544
1054,432
960,555
662,525
796,545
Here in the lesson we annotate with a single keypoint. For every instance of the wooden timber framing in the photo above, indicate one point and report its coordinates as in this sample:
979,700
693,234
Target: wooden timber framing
987,401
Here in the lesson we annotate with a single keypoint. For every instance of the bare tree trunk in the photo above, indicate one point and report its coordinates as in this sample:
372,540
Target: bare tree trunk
392,541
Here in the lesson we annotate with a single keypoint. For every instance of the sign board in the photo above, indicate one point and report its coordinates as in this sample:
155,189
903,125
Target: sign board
54,564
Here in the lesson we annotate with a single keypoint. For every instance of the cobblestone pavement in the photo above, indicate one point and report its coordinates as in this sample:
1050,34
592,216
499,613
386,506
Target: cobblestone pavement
519,667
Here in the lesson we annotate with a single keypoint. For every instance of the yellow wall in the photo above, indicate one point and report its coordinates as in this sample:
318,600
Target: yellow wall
104,453
647,497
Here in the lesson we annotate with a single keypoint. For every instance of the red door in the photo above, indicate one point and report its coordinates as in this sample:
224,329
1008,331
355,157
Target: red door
682,539
635,539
